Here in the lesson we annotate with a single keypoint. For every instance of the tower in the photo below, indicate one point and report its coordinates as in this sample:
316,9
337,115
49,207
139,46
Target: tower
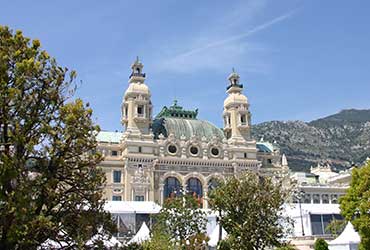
237,118
136,106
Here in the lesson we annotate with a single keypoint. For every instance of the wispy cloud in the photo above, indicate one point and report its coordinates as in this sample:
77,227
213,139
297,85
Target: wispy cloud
220,53
237,37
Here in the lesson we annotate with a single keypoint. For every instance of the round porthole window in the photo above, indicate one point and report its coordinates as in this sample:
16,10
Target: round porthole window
194,150
172,149
215,151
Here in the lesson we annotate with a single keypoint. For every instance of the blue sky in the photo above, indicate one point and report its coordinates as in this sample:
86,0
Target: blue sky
298,60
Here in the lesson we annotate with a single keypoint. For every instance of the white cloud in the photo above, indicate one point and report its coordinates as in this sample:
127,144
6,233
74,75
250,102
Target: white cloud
210,52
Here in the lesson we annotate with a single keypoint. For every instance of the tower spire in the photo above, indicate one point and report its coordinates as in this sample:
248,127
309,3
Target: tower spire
137,74
136,105
236,111
234,81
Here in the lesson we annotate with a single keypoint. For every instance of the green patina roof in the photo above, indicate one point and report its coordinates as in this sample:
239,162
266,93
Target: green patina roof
191,127
179,122
266,147
177,111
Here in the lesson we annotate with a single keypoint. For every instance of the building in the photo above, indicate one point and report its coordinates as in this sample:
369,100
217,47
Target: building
156,157
316,203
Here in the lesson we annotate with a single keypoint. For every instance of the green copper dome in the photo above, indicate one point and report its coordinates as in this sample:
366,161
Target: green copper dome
179,122
191,127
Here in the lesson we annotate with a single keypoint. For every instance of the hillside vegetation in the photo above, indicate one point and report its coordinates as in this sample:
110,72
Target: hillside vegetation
341,139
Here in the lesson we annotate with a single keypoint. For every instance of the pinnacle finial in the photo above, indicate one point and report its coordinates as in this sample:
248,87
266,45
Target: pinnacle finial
284,161
137,68
233,69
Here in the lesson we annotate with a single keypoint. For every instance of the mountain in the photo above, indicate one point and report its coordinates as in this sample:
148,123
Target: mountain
341,139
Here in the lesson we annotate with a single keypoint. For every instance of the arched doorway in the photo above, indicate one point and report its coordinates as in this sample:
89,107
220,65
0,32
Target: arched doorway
172,187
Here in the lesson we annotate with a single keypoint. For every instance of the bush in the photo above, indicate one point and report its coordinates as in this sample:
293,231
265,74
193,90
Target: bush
286,247
321,244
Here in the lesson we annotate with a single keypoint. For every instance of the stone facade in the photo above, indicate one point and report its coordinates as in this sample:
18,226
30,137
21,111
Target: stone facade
155,158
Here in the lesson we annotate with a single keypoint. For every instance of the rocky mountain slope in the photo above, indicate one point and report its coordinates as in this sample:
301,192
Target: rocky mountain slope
341,139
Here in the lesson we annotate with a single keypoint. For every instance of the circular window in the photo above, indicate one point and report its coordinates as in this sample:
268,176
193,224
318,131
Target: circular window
215,151
172,149
194,150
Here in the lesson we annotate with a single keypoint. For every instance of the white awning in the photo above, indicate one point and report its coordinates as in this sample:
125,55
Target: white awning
139,207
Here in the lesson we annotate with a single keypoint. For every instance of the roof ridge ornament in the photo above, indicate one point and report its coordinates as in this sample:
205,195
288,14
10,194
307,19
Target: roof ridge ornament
177,111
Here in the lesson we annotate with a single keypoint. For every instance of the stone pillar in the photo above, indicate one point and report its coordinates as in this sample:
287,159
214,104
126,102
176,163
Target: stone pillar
205,197
161,186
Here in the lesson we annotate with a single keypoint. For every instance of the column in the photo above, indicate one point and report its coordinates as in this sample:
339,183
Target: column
161,193
205,197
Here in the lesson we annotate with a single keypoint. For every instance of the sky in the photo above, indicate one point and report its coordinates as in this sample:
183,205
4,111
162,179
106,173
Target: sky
298,60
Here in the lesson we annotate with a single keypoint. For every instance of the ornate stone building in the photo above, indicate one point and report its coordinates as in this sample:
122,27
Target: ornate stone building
154,158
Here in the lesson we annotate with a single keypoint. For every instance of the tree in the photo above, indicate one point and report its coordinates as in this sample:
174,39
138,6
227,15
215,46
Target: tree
252,211
336,227
132,246
50,188
355,205
159,240
181,219
321,244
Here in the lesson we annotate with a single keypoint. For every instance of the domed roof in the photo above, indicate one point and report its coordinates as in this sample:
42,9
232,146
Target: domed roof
138,88
191,127
185,127
235,98
179,122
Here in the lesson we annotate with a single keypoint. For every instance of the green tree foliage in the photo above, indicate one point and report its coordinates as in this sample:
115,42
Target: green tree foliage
355,205
159,240
132,246
336,227
252,209
50,187
181,219
286,247
321,244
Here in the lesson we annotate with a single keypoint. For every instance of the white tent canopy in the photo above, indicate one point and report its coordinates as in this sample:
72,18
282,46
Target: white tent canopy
142,235
108,242
112,242
213,238
347,240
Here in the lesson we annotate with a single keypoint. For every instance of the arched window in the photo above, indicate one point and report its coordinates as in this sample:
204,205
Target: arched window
213,183
194,187
172,187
